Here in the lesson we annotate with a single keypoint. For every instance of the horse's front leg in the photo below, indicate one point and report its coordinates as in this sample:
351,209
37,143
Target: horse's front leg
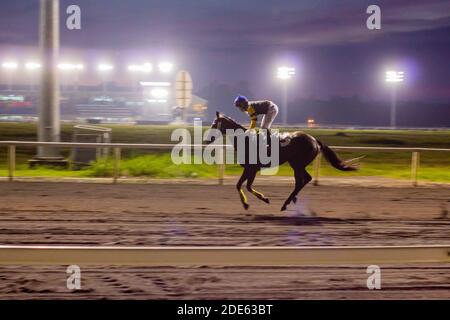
250,179
241,181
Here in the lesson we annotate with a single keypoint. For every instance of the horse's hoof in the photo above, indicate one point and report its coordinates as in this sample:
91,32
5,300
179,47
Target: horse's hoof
283,208
246,206
294,200
266,200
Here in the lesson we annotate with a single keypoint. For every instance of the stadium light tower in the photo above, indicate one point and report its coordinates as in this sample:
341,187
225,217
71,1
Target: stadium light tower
285,74
394,78
142,68
10,68
165,67
137,69
104,69
10,65
68,68
32,67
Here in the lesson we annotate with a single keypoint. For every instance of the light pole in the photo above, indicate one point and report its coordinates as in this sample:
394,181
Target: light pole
10,68
49,112
393,78
284,74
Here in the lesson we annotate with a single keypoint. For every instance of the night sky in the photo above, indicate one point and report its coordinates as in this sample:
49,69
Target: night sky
229,41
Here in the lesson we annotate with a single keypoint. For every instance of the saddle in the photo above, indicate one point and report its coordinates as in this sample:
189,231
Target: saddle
285,138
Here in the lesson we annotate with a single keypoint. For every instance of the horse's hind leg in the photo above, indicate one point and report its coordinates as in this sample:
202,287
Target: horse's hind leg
300,182
307,180
250,179
241,181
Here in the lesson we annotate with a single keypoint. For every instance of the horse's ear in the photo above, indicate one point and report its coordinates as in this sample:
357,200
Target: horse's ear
217,114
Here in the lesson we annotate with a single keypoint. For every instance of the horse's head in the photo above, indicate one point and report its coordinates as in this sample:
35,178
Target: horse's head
222,123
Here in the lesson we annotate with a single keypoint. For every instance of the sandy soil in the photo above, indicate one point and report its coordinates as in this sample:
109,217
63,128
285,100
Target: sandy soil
34,213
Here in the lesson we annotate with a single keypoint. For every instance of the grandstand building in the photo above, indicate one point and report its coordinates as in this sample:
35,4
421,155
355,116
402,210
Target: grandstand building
106,103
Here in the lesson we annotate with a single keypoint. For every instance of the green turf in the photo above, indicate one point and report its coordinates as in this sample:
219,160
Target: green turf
434,166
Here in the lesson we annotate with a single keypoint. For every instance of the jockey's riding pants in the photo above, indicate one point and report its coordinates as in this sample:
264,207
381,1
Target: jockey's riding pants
268,118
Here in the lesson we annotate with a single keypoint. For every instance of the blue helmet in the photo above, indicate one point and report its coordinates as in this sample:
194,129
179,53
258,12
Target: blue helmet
240,99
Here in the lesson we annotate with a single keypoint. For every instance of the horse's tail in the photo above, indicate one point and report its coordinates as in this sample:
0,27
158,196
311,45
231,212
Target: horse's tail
335,161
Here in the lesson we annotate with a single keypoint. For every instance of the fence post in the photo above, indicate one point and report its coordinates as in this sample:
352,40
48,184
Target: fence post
415,159
117,152
317,162
221,164
11,162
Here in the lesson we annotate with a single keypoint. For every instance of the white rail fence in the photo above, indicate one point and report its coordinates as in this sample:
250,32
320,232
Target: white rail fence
222,256
118,147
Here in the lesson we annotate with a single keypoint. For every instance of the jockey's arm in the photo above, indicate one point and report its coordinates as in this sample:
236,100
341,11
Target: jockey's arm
253,117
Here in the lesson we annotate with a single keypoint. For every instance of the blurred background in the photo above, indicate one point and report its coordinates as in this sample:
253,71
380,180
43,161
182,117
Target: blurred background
328,72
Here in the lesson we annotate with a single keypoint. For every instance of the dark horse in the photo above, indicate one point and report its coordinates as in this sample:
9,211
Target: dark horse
300,152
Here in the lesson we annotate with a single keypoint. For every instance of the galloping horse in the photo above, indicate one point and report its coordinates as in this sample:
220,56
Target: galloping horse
300,152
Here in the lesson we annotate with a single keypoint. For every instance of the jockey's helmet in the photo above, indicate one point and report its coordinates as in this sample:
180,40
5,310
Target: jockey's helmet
240,100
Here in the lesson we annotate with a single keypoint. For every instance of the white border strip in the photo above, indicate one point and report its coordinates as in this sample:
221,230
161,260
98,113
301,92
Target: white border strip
222,256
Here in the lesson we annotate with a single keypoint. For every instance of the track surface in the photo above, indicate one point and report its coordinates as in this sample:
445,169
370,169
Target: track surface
173,214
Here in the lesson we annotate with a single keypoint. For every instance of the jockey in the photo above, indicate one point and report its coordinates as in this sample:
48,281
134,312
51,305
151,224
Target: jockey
267,108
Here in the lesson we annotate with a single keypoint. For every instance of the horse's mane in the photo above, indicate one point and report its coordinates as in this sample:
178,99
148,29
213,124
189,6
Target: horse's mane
233,121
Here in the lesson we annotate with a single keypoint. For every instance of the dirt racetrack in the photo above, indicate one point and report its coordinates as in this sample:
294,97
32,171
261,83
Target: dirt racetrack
43,213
